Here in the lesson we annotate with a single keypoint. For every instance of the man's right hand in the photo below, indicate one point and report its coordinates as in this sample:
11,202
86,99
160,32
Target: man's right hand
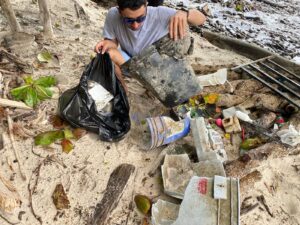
104,45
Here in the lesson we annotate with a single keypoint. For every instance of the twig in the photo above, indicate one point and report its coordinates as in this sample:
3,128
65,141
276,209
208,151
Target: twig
7,220
262,200
248,208
7,72
14,59
6,87
76,9
53,158
36,171
11,135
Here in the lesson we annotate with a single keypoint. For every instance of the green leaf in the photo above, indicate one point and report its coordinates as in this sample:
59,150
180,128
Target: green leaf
48,138
68,134
43,92
67,146
44,57
143,203
31,98
46,81
19,93
251,143
28,80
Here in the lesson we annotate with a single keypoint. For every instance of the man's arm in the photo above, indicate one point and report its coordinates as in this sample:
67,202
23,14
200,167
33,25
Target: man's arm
180,21
195,17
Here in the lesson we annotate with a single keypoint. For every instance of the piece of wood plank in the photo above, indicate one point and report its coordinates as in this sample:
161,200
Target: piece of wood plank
11,103
114,189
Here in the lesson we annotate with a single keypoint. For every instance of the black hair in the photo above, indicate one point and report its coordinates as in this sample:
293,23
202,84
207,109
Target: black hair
131,4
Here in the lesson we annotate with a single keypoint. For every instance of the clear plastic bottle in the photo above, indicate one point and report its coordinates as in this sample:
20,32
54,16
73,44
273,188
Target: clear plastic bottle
157,131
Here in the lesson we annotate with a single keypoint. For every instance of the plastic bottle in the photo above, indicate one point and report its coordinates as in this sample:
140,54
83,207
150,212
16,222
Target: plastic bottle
162,130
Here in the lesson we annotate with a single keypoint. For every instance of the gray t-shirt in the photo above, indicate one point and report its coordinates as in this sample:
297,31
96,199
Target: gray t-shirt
155,26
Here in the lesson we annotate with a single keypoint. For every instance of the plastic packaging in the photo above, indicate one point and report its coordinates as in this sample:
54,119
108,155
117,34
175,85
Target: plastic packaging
219,77
162,130
100,95
78,107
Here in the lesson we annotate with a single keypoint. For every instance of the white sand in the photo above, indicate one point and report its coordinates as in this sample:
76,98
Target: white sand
85,186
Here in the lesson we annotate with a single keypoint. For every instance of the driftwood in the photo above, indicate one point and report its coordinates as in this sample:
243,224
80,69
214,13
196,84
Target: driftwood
114,189
15,104
248,50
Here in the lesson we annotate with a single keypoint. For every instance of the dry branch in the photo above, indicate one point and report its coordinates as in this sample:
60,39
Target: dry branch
7,72
32,190
11,135
11,103
14,59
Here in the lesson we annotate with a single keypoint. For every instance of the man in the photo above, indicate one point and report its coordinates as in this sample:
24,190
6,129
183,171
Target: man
133,26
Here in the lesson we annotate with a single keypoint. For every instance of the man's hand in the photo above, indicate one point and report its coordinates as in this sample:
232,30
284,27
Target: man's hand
104,45
178,24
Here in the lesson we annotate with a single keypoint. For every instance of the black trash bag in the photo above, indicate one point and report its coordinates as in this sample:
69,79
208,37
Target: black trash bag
78,108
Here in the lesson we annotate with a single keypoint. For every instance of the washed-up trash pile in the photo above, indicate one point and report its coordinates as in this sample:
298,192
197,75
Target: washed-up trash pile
202,185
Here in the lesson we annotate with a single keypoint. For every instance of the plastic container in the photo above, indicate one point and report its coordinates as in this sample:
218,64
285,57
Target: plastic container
162,130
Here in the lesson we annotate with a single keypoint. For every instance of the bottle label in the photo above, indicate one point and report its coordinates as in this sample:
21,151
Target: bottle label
164,130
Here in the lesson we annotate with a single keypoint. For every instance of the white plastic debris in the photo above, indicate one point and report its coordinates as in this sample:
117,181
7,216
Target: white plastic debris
290,136
100,95
200,208
176,173
243,116
240,113
164,213
217,144
219,77
296,59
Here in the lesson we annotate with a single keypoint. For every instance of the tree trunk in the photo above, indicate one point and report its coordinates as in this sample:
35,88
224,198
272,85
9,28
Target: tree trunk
45,18
10,15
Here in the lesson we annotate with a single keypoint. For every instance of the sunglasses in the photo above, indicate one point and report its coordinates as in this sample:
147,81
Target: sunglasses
131,20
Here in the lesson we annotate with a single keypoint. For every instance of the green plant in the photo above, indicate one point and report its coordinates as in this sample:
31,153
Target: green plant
34,91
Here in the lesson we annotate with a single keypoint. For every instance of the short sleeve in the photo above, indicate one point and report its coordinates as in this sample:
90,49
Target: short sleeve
165,13
108,30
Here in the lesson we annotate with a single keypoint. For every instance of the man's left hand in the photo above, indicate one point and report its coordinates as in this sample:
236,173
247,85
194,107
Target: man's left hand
178,24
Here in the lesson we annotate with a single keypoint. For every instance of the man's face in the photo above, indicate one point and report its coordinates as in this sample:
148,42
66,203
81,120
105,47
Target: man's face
134,18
